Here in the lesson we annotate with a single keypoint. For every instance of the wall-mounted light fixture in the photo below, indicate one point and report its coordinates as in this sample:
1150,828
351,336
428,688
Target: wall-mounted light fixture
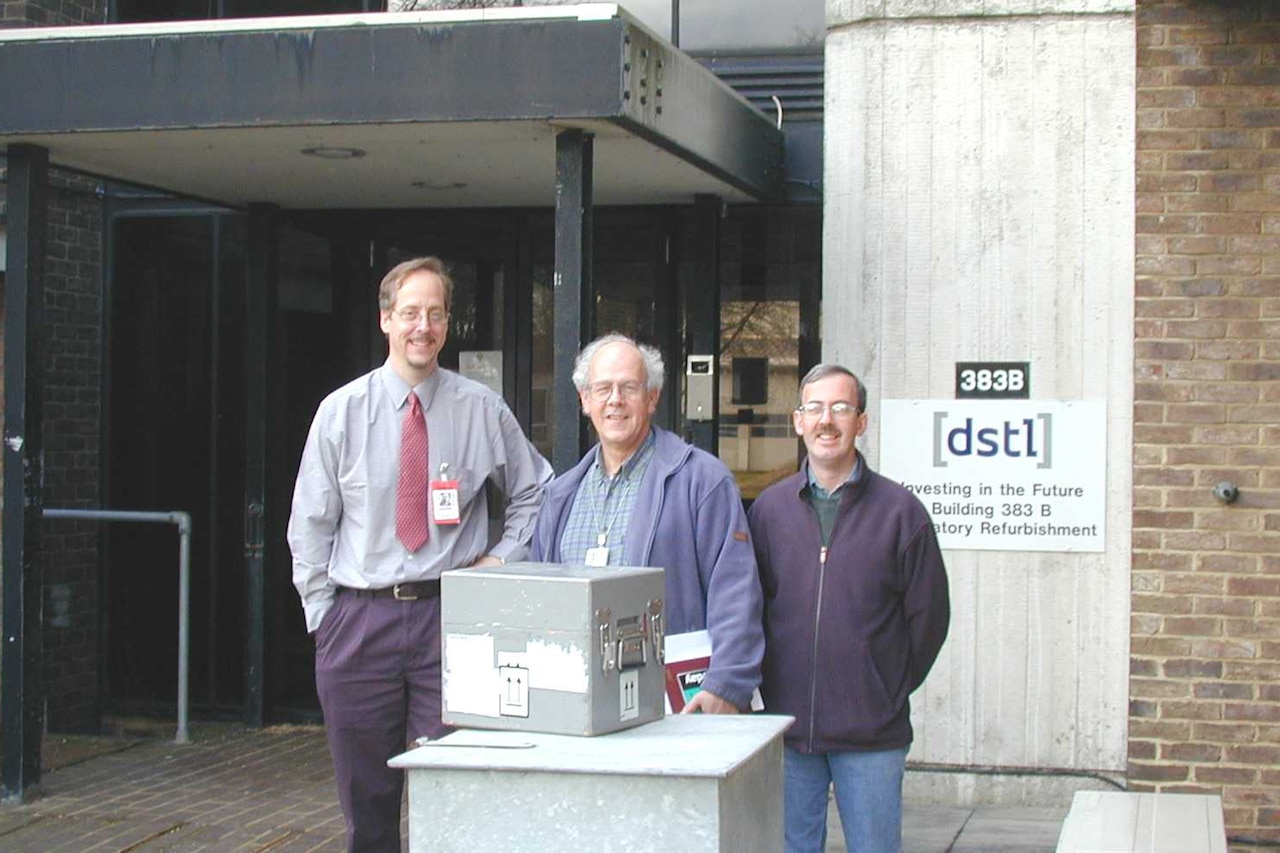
334,152
437,186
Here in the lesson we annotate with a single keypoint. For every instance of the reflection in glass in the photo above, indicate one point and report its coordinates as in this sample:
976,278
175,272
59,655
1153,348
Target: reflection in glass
542,418
770,265
628,276
759,365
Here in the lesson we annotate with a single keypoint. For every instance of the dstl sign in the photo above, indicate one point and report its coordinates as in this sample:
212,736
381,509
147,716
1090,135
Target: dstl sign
1003,475
1029,438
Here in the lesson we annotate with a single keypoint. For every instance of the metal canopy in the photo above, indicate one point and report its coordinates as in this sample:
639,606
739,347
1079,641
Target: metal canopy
450,109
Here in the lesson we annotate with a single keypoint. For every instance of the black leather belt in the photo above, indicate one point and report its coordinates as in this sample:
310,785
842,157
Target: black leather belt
409,591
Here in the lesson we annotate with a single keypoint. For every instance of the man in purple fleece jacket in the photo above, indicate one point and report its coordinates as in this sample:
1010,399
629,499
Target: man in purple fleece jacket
643,497
856,610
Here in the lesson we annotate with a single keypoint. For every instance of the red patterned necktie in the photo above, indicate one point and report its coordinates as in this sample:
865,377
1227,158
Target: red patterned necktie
411,490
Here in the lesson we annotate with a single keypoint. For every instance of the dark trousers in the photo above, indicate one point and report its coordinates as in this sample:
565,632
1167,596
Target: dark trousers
378,678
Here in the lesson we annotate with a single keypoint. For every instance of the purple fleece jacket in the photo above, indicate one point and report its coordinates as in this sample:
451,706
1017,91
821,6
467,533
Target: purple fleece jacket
848,639
689,521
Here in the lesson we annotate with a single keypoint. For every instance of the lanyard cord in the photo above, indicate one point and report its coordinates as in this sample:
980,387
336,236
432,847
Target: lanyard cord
602,537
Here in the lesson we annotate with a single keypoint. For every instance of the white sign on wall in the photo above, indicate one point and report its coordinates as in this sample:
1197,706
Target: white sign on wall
484,366
1002,475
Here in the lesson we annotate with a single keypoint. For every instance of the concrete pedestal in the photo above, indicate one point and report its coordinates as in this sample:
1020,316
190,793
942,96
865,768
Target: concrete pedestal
693,784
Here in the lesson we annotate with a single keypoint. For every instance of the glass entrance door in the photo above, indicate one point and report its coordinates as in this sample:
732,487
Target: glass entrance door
174,440
770,278
331,265
634,296
177,441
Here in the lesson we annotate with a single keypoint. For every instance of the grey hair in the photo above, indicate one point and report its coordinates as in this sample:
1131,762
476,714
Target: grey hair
654,371
822,371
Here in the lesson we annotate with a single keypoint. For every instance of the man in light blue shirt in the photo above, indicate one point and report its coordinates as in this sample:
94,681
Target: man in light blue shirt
371,600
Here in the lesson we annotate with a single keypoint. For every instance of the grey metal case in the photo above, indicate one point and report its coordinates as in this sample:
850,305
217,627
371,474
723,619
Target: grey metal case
547,648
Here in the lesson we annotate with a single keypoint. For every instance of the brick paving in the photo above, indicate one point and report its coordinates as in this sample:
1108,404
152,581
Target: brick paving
239,790
231,790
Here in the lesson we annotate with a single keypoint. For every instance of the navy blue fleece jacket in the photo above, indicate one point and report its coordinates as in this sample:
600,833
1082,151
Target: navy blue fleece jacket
851,632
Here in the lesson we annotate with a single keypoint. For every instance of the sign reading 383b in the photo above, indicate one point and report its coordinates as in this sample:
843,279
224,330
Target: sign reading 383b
993,380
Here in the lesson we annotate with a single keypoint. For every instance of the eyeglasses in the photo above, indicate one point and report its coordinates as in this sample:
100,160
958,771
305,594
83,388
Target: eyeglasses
435,317
601,391
839,410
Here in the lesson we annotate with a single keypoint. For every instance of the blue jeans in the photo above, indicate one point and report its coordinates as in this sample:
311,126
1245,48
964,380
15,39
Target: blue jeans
868,795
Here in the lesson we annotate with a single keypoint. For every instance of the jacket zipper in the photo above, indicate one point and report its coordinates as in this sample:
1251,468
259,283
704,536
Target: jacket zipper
813,669
817,613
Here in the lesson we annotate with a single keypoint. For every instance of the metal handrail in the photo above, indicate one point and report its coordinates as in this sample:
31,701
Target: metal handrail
183,520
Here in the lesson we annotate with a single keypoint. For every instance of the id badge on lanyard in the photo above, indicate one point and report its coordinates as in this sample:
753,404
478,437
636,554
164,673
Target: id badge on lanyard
445,508
599,555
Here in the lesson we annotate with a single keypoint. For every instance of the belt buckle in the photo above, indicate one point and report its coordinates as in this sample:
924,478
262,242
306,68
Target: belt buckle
395,592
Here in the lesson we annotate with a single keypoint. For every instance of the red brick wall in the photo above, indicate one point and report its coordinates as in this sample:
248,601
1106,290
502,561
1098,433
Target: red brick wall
1205,660
72,426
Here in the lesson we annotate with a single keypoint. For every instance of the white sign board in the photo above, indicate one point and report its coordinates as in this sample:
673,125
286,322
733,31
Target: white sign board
484,366
1002,475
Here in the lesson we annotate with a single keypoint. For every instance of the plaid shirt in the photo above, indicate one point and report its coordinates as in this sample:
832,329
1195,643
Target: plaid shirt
603,506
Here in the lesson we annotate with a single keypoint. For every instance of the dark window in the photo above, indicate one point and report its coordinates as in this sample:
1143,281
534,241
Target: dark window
139,11
750,381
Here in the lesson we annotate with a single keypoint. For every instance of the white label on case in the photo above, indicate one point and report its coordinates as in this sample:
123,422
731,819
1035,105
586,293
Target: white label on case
629,694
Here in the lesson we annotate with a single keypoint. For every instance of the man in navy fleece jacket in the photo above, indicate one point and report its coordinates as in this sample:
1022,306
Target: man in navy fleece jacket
856,610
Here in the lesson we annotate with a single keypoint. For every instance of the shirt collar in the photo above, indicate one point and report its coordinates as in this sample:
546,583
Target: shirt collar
624,472
399,390
849,481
